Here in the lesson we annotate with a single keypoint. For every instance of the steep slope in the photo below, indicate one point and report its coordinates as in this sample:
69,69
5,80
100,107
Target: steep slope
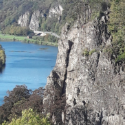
32,14
93,83
37,14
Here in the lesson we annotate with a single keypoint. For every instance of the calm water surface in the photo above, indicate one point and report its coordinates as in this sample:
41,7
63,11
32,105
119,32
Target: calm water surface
28,64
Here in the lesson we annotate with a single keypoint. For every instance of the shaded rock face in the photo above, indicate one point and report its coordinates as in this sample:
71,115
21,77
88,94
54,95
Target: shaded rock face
23,20
94,85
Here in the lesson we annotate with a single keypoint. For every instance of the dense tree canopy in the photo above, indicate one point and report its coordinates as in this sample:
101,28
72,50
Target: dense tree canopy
18,99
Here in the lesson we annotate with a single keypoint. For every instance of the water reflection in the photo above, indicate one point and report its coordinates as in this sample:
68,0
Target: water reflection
2,69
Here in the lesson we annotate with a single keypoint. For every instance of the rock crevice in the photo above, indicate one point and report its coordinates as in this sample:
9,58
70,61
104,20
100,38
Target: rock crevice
95,94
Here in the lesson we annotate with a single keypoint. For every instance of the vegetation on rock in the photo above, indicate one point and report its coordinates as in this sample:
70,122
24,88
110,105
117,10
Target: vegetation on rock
116,27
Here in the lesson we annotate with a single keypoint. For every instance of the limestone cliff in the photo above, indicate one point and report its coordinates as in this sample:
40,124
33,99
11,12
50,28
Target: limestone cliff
56,11
30,20
23,20
33,20
34,23
93,83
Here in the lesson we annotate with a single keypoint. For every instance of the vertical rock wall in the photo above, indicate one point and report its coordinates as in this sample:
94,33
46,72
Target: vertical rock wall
33,23
94,85
23,20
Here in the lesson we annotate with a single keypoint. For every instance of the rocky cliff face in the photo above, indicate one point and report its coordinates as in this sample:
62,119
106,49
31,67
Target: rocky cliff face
33,23
56,11
93,83
23,20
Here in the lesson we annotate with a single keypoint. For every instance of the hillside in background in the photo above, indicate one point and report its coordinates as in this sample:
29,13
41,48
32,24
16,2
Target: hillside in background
42,15
45,15
23,17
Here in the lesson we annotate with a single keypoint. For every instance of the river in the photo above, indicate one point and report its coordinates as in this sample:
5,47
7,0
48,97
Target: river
28,64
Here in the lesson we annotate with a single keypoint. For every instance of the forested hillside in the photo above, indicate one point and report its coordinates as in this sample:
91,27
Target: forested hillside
11,10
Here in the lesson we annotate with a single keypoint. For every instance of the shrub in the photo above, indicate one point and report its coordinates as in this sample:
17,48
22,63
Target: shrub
85,52
120,58
29,117
92,51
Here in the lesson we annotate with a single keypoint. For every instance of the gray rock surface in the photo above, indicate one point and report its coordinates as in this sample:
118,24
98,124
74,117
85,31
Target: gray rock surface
34,23
23,20
56,11
94,85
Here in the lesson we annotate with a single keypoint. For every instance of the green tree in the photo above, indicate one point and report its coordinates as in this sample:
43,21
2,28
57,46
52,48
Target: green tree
29,117
116,26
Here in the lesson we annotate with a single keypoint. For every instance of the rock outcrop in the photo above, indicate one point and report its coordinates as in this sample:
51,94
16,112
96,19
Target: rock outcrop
34,23
30,20
33,20
23,20
93,83
56,11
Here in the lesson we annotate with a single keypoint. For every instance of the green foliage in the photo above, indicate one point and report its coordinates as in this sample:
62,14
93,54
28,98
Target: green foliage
116,26
17,30
29,117
46,38
92,51
120,58
2,56
19,99
25,107
10,11
85,52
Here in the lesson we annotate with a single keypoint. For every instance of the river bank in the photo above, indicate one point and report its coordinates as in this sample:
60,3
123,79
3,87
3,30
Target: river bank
7,37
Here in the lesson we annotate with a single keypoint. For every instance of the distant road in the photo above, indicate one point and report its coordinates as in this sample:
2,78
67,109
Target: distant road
51,33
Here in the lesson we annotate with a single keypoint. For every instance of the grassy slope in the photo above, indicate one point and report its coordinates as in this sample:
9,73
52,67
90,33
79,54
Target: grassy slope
7,37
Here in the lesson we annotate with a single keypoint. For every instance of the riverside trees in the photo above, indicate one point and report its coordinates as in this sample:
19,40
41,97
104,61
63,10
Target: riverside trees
19,99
